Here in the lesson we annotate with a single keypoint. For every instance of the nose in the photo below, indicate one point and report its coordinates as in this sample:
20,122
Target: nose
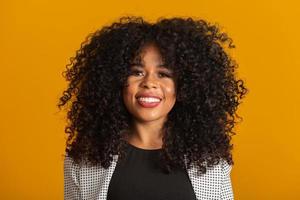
149,82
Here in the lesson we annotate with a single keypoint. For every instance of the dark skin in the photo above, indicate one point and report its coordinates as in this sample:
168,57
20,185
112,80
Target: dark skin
149,76
199,125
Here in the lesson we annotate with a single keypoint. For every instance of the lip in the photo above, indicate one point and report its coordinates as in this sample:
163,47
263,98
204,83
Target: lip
148,104
148,95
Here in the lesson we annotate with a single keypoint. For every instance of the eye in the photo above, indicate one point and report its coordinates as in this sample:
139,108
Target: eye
135,72
163,74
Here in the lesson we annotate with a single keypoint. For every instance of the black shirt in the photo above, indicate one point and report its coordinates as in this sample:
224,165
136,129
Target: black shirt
140,178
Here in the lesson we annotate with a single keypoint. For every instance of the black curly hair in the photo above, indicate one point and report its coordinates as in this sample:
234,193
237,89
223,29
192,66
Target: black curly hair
200,125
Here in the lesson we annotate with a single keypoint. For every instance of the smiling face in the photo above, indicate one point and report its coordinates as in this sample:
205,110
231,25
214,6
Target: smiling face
149,78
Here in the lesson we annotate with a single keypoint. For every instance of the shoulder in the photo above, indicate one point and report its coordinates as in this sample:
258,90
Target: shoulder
226,191
225,167
71,169
222,168
214,184
85,174
81,170
69,163
88,181
220,171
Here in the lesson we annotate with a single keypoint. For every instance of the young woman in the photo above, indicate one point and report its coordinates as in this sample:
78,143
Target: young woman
152,110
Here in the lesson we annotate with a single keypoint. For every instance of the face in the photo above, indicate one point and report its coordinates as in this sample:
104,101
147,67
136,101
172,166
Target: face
148,78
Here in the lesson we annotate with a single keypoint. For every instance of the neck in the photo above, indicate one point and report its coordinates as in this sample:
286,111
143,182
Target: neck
146,134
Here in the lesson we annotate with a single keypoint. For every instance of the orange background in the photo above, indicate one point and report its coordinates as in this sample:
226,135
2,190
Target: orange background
38,38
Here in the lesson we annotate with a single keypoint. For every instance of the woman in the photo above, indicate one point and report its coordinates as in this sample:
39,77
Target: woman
152,112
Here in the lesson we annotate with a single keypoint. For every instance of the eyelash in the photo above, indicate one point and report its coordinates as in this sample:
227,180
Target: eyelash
133,72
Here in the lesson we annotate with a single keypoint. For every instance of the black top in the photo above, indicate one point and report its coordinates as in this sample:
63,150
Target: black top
139,177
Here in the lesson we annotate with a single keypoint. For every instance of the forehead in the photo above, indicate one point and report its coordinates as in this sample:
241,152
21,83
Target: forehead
141,65
149,53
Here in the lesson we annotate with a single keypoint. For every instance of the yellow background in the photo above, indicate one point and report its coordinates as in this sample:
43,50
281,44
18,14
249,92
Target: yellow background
38,38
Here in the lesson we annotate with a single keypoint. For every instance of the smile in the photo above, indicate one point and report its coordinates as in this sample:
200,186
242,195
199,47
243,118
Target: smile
148,102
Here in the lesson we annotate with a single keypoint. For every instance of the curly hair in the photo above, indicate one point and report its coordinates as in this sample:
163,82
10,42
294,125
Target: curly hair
199,126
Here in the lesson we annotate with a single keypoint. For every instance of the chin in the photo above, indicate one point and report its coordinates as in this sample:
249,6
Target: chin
147,118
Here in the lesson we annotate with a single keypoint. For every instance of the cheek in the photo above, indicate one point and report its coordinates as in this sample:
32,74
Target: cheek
170,90
128,92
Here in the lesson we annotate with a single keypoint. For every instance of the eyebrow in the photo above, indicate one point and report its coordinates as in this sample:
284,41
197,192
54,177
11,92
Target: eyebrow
142,65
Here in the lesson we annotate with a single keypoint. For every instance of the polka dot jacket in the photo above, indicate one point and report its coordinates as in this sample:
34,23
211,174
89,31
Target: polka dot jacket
91,183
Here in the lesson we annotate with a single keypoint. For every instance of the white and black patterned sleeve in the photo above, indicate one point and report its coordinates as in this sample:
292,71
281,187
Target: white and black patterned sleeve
226,186
71,184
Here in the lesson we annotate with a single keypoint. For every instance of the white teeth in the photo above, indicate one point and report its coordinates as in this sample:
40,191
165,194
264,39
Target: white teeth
148,99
